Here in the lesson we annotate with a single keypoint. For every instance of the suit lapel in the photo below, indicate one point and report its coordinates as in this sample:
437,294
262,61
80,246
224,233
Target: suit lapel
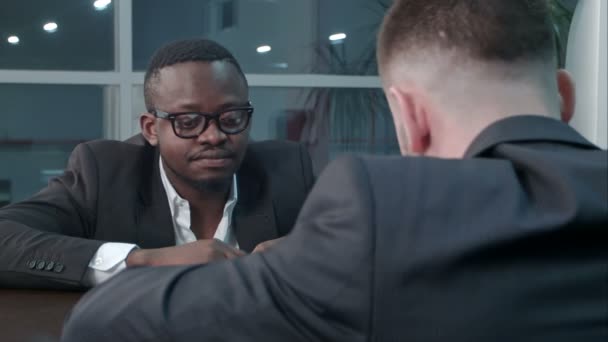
254,217
153,217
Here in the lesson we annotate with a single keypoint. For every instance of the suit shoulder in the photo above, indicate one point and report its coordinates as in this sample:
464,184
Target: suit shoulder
110,154
423,171
347,166
109,148
367,163
404,162
104,144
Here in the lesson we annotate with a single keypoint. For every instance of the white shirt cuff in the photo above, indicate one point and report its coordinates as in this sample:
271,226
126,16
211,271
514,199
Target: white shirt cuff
108,261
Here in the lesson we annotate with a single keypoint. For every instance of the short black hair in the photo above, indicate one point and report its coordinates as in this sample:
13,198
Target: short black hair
181,51
486,30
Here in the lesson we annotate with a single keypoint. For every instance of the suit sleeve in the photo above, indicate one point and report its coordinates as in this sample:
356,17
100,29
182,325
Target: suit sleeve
313,286
43,240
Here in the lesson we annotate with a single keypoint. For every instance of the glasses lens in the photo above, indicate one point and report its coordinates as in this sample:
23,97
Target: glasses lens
234,121
188,124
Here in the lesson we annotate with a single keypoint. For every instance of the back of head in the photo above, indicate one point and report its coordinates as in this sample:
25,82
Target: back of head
468,61
182,51
496,31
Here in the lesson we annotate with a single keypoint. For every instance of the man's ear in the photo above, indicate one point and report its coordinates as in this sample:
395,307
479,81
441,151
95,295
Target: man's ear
147,123
567,93
396,112
410,113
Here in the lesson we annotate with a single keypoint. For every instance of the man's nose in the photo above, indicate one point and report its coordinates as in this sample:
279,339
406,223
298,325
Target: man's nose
212,135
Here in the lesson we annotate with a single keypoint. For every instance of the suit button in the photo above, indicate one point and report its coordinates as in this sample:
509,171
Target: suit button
31,264
49,266
40,265
58,268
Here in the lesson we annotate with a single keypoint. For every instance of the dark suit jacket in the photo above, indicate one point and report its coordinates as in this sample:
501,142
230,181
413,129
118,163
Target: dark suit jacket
509,244
112,192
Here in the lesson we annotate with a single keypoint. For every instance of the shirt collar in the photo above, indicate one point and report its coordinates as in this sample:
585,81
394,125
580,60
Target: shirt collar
525,128
175,199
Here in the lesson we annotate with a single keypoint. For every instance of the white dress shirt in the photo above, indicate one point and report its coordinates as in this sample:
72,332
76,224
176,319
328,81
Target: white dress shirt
111,257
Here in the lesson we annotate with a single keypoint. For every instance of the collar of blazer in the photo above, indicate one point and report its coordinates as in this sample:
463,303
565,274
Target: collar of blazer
525,128
253,217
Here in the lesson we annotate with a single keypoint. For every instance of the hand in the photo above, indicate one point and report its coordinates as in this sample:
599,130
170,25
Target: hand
264,246
197,252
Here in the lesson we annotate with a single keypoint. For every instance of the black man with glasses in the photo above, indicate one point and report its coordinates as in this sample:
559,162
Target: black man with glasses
190,189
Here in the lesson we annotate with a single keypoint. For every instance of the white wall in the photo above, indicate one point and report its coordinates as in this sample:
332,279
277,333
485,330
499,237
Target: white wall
586,59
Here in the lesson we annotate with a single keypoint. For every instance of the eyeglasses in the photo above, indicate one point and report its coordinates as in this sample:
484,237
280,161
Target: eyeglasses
190,125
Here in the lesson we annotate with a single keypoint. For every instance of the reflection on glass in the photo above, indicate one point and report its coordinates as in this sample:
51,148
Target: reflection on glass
56,35
329,121
37,137
279,36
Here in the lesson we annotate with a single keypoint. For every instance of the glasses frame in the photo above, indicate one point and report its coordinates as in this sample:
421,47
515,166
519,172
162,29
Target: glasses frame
208,117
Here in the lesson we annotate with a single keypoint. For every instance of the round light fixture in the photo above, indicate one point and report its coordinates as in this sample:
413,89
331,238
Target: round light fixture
336,37
100,5
50,27
13,40
263,49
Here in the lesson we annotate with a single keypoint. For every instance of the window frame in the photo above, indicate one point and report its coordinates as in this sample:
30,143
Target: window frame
118,84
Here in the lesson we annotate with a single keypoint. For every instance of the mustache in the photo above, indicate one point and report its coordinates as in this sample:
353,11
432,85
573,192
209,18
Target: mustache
211,154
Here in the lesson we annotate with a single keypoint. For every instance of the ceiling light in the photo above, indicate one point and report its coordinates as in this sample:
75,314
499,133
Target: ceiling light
100,5
337,37
50,27
13,40
263,49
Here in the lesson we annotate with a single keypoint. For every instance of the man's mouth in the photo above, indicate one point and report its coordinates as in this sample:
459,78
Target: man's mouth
213,162
212,155
213,159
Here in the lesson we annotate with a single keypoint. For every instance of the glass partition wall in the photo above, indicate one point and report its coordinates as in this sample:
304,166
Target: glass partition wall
72,71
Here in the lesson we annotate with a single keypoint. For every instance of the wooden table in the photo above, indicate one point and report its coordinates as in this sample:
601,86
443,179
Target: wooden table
34,315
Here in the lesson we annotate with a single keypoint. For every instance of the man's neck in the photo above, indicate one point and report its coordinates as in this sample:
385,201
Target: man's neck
198,192
455,140
206,204
213,195
478,94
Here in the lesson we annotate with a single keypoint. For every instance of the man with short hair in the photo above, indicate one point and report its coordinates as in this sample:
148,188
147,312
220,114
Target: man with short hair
494,231
190,189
